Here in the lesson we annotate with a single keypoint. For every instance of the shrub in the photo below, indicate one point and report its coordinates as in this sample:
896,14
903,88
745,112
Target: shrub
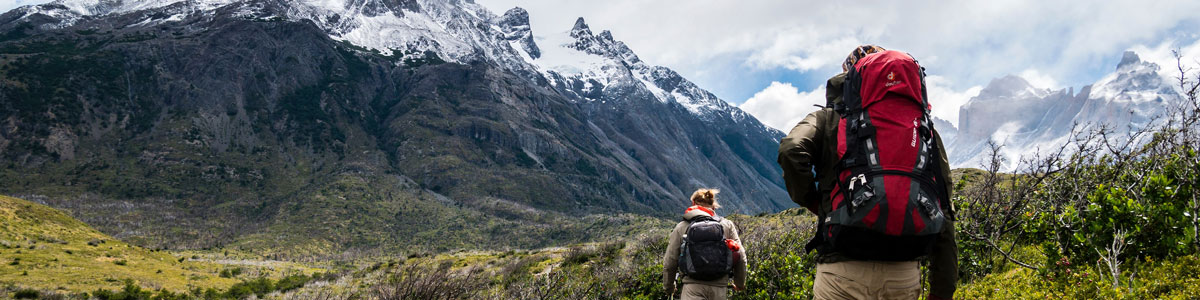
26,294
291,282
130,292
416,281
231,273
259,287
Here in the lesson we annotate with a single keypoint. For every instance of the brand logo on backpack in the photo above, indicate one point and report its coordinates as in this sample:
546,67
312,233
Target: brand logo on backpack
704,254
891,77
886,202
916,124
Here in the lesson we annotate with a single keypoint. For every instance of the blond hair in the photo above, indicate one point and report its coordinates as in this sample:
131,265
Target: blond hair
706,197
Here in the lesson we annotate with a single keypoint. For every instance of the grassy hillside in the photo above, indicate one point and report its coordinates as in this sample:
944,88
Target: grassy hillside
617,268
779,269
43,248
389,214
623,266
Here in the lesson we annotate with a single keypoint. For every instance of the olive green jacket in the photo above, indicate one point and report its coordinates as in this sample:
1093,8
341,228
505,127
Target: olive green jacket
812,146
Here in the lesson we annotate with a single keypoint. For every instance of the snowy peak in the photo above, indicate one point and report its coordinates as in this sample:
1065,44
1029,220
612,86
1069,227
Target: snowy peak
514,24
580,26
1135,81
580,63
374,8
1130,61
104,7
1008,87
602,45
1028,120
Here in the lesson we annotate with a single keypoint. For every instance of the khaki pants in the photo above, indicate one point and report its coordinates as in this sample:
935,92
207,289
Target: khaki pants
867,280
696,291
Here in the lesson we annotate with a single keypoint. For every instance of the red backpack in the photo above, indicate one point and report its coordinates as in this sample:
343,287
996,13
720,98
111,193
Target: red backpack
888,200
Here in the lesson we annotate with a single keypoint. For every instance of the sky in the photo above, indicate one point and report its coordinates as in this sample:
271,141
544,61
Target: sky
771,58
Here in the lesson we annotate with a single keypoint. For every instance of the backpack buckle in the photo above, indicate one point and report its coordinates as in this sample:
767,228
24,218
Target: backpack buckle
857,200
857,180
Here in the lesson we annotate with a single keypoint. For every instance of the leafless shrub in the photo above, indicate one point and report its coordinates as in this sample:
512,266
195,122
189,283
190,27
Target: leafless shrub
417,281
1111,256
318,294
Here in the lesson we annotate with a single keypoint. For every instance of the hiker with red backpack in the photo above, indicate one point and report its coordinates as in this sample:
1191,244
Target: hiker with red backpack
873,169
705,250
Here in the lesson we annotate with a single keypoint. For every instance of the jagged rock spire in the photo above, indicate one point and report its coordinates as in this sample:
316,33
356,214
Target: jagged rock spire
515,26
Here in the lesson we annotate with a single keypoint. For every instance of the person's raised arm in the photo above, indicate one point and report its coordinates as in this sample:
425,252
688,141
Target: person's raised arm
797,153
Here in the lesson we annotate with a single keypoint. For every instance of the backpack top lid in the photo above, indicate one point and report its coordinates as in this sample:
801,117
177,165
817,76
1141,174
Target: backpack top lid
890,72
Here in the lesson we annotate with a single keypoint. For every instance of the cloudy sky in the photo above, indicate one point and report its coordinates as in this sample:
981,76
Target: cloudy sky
772,57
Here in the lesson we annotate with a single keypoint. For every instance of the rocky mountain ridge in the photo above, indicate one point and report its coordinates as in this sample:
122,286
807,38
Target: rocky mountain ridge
314,128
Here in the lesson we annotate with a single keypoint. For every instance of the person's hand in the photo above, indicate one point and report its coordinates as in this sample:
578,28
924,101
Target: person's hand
738,288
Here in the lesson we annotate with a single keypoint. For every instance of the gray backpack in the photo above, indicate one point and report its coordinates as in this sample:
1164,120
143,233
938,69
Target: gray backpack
704,254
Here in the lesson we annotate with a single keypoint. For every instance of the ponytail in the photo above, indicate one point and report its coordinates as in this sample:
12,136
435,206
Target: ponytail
706,197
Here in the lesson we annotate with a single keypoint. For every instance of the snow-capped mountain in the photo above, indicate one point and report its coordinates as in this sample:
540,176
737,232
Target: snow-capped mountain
1027,120
236,117
577,61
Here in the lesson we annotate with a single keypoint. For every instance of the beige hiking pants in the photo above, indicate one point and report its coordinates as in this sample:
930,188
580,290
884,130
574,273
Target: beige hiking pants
867,280
696,291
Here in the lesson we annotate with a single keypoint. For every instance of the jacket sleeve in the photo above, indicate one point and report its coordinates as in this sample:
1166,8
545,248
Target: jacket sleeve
739,263
797,153
943,264
671,260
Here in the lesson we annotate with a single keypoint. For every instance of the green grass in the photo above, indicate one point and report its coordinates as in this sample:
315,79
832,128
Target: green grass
44,248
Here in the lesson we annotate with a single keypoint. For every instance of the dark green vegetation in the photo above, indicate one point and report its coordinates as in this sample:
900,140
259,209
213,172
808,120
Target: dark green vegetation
623,268
269,137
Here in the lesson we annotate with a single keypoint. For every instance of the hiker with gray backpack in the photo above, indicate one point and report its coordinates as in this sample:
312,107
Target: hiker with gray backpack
705,252
873,169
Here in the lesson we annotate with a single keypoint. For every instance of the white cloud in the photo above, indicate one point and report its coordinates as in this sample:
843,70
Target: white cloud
971,41
782,105
1039,80
946,101
1163,56
819,49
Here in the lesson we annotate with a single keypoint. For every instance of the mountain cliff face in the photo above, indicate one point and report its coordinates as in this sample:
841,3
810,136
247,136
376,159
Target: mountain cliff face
316,127
1027,120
